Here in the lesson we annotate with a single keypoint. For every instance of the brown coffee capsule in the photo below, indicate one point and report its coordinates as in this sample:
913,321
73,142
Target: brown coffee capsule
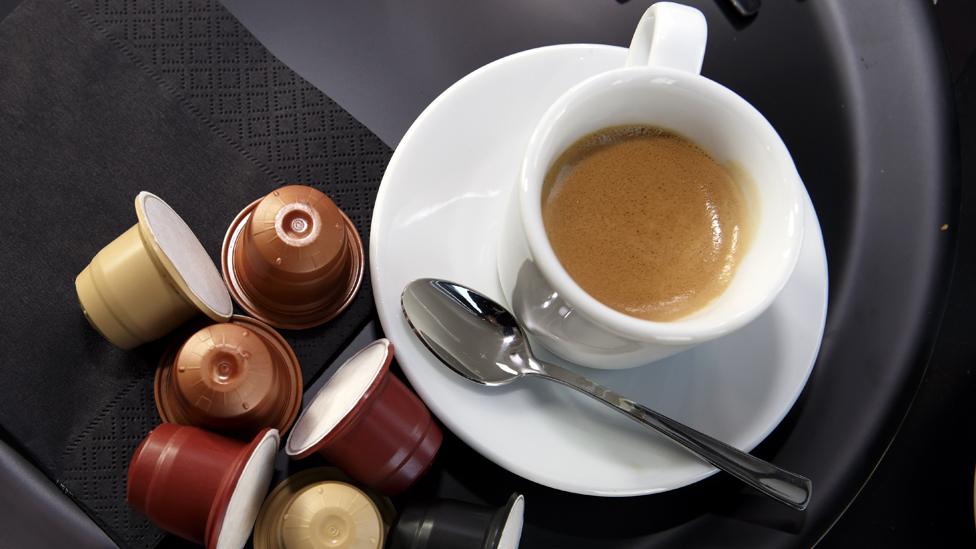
292,258
199,485
237,378
322,507
151,279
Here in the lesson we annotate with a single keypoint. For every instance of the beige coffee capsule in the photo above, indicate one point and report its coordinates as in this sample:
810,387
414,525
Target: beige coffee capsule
322,507
151,279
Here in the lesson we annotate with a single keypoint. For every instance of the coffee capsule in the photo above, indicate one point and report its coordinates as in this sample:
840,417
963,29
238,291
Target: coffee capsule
292,258
201,486
236,378
321,507
151,279
369,424
449,524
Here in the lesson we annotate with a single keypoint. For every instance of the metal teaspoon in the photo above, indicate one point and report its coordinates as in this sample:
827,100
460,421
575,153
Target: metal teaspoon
480,340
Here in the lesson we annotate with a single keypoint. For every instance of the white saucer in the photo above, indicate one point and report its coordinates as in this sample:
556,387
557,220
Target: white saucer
438,214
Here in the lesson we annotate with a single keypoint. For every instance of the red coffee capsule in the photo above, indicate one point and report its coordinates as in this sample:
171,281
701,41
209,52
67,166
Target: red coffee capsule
292,258
236,378
201,486
369,424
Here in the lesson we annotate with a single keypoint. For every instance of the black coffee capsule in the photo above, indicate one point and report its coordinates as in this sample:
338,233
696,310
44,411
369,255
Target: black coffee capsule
449,524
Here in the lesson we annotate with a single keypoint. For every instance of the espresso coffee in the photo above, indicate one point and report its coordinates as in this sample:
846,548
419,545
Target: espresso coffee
645,221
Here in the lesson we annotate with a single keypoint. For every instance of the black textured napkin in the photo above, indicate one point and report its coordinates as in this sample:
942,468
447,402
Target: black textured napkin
100,99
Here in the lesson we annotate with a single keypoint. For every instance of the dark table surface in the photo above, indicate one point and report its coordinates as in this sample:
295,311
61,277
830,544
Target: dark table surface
920,494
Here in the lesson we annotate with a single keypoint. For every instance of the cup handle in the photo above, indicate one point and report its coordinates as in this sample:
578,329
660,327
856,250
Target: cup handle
669,35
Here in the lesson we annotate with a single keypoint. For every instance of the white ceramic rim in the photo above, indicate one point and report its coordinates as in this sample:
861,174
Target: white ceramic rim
680,331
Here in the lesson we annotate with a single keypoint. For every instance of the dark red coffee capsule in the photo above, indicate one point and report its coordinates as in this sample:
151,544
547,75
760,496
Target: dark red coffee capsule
201,486
369,424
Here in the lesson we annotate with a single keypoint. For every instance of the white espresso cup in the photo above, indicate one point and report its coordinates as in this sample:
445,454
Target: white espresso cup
660,85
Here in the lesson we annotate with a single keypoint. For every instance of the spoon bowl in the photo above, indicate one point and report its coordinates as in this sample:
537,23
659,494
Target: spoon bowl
474,336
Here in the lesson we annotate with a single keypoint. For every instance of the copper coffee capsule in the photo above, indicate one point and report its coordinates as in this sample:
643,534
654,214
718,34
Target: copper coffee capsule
292,258
322,507
237,377
449,524
369,424
199,485
151,279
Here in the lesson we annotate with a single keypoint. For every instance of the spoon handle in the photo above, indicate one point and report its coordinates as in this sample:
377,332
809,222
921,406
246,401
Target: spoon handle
783,486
